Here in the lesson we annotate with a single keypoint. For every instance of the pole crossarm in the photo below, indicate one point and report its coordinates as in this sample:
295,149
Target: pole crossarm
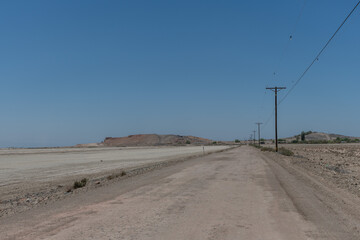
275,89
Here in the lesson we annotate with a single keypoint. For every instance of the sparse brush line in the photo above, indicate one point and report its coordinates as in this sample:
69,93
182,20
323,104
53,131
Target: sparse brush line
282,150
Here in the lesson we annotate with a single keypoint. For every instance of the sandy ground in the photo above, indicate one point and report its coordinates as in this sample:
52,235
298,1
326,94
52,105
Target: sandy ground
238,194
32,176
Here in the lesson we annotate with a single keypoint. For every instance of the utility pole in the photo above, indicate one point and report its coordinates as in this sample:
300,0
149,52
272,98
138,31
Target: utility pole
276,90
259,131
254,136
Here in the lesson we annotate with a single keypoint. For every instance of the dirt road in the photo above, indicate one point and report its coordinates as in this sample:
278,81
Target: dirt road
237,194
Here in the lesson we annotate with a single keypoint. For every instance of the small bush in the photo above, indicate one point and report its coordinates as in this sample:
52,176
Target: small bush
80,184
188,142
267,149
285,152
237,140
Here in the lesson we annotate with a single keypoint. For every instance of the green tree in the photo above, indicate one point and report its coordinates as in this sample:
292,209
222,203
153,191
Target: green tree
302,136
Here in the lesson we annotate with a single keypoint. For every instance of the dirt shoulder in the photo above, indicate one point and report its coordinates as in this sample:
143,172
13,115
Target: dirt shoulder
325,187
335,163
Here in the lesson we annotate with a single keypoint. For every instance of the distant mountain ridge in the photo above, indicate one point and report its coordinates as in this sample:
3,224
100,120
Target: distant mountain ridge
148,140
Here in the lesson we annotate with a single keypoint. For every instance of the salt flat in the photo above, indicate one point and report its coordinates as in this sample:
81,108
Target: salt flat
42,165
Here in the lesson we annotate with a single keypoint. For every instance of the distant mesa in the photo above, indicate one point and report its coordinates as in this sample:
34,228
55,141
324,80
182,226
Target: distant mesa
149,140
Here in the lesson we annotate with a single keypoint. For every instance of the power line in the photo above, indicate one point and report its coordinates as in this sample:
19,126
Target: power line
261,108
292,33
278,66
312,63
318,55
270,117
298,18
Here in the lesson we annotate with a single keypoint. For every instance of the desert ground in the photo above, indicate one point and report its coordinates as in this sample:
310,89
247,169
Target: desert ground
337,163
29,177
240,193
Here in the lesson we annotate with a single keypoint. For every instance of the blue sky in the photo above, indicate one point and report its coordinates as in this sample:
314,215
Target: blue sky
78,71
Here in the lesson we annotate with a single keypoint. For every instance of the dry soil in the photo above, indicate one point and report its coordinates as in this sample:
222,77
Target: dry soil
237,194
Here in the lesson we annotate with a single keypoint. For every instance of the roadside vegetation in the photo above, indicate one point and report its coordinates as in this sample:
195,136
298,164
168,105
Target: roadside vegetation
337,140
282,150
285,151
80,184
117,175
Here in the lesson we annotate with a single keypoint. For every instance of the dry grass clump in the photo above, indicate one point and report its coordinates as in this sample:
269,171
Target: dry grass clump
121,174
285,152
80,184
267,149
282,151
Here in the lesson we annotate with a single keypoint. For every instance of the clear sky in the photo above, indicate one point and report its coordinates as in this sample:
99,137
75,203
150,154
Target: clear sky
78,71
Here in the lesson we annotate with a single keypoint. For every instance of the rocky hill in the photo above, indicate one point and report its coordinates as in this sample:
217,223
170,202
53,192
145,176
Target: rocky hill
320,136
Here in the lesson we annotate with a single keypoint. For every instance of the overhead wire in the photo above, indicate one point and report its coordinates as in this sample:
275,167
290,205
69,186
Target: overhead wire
292,33
261,108
319,54
282,56
269,118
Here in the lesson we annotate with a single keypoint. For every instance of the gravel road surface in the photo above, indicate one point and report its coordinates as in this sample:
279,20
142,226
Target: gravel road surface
237,194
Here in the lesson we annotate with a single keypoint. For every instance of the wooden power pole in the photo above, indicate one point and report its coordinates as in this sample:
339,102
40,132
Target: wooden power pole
254,136
259,131
276,90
